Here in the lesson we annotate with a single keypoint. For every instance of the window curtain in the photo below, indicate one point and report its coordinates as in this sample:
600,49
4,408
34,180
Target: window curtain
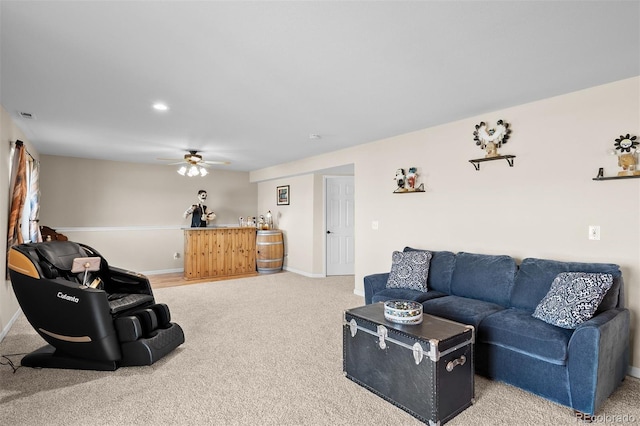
19,196
34,201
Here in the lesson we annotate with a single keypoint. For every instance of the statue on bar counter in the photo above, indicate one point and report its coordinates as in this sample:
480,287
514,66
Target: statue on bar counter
200,214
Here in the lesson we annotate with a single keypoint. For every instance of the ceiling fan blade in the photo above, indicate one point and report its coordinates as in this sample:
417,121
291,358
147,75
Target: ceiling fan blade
170,159
216,162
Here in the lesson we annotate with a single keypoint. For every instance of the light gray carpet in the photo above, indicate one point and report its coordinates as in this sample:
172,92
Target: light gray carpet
262,350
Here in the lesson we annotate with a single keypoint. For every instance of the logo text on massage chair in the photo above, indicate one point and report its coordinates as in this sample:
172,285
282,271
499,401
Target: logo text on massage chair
64,296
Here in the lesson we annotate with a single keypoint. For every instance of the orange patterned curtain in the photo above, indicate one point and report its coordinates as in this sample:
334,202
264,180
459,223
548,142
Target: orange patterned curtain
14,235
34,202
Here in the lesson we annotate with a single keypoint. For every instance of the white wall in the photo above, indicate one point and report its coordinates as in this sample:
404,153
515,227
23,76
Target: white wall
541,207
297,229
302,222
132,213
8,133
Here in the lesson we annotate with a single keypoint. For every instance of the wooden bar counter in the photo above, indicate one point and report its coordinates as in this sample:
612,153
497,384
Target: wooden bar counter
219,252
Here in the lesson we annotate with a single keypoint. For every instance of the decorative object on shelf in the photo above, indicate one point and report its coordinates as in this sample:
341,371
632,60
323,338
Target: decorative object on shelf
269,219
400,178
403,312
626,143
265,222
411,178
282,195
201,215
407,183
628,156
490,139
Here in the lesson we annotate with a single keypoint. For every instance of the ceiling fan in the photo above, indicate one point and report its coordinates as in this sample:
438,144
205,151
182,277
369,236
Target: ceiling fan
192,164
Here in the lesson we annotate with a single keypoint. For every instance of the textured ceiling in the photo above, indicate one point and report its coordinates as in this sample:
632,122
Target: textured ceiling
248,82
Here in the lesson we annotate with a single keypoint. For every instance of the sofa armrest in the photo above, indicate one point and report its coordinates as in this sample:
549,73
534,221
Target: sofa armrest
598,359
373,284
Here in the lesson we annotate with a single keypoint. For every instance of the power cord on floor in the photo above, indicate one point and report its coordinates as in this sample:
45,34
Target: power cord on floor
9,362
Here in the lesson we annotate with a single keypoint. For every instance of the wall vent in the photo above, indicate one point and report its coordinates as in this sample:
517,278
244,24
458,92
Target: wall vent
27,115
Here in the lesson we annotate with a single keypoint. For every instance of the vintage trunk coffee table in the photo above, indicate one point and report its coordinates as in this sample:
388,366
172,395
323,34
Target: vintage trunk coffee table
425,369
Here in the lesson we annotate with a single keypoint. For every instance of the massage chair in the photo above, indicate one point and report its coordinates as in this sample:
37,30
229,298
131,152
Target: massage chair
93,316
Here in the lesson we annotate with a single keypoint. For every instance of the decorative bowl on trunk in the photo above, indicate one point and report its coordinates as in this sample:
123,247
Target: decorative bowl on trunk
403,311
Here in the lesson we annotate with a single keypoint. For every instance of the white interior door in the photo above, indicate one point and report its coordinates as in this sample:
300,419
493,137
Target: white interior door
339,225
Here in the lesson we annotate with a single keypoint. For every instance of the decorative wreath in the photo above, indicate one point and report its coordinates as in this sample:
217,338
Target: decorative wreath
498,135
626,143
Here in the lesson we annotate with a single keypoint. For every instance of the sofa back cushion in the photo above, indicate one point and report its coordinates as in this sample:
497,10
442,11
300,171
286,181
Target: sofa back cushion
440,270
484,277
535,277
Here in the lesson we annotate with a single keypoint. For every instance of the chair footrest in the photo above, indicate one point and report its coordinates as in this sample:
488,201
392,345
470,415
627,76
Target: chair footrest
146,351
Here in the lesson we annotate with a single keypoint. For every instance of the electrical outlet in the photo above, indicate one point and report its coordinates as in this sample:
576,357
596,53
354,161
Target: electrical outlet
176,255
594,232
374,225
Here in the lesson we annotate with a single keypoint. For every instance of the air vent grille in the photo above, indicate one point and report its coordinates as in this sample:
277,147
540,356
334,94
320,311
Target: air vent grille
27,115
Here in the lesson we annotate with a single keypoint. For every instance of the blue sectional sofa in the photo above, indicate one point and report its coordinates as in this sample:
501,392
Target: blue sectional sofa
578,368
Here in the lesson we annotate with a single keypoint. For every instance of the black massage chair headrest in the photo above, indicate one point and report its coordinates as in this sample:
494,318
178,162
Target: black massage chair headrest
58,256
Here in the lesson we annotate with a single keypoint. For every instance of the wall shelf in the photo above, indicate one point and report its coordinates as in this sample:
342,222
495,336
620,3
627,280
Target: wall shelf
477,161
617,177
417,191
420,188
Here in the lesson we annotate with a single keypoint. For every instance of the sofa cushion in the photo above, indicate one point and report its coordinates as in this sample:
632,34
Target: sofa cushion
573,298
405,294
484,277
517,330
409,270
535,276
460,309
440,270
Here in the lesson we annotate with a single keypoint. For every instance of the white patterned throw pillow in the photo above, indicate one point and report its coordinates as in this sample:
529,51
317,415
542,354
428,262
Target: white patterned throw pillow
573,298
409,270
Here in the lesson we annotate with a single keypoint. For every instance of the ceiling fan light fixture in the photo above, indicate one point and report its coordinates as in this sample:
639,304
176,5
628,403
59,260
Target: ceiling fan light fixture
193,171
193,165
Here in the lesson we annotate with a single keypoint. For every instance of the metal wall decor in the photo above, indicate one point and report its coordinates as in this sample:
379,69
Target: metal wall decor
625,148
628,156
490,139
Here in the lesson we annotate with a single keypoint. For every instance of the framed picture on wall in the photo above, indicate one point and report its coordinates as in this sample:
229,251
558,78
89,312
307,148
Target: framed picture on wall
282,194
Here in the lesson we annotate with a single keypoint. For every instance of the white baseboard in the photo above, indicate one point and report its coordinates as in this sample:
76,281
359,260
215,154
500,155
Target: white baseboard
306,274
358,292
13,319
634,372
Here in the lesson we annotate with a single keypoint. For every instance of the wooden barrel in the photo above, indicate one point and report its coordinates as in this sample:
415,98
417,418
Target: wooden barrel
269,251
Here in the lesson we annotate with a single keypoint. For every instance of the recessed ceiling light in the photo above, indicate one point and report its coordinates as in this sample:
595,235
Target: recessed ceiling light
159,106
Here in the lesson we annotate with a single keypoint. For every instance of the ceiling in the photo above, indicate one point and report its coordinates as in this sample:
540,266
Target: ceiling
249,82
